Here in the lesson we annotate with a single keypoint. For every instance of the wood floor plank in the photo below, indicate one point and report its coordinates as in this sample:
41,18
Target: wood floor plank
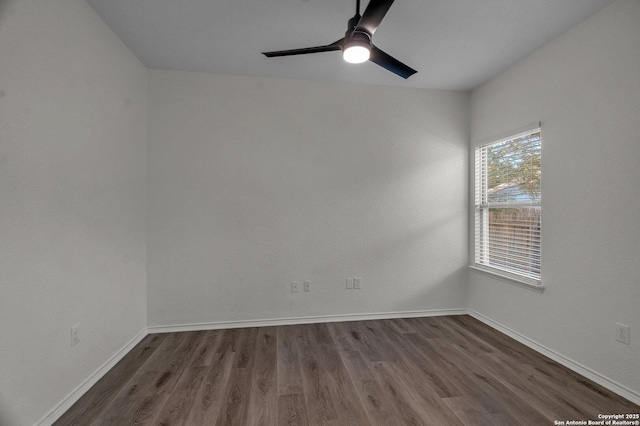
432,369
398,325
428,327
501,342
510,403
356,366
379,337
246,345
134,401
320,407
210,396
588,393
574,396
205,351
360,342
345,397
463,337
292,410
124,407
425,395
372,398
263,402
409,367
400,357
182,357
321,334
87,408
525,384
236,400
228,340
440,370
468,413
177,405
340,337
405,407
164,378
288,366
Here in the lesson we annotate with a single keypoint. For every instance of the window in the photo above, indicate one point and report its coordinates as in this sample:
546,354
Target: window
508,206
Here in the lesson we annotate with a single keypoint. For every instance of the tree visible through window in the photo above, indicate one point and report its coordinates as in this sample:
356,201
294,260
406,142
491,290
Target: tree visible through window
508,205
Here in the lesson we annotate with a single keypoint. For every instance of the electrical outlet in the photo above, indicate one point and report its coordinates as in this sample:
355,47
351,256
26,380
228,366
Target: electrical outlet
349,283
357,283
75,336
307,286
295,286
622,333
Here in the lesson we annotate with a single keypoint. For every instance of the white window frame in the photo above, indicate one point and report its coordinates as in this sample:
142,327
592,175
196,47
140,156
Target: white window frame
481,223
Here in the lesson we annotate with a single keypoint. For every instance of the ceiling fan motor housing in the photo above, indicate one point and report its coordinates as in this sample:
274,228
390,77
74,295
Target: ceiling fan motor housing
360,38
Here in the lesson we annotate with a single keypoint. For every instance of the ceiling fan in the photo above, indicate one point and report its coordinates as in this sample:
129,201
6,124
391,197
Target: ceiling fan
356,44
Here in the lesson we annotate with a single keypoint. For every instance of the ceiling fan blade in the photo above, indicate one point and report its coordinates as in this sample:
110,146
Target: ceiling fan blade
390,63
373,15
328,48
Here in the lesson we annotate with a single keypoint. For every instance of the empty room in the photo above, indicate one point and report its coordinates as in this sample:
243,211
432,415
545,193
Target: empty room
298,212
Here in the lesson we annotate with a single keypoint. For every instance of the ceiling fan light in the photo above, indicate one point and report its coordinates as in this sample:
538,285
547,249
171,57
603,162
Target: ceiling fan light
356,53
358,49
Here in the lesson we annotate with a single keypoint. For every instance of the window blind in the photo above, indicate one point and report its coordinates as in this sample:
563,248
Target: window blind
508,205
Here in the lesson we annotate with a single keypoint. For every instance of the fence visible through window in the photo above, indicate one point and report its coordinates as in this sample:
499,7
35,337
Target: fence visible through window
514,239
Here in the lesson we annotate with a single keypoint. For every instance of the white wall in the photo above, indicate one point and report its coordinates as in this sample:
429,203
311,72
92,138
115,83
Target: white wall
585,88
255,182
72,210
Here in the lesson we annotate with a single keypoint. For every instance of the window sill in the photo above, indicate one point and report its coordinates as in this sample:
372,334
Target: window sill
511,279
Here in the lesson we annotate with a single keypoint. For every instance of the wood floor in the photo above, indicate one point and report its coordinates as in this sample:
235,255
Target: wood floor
429,371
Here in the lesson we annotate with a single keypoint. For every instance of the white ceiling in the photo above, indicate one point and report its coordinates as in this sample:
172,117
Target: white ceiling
454,44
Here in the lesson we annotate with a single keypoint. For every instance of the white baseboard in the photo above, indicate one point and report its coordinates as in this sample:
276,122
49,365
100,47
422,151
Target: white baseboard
56,412
302,320
590,374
